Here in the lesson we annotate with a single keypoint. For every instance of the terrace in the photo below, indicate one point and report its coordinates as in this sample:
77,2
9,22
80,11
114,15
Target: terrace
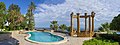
18,22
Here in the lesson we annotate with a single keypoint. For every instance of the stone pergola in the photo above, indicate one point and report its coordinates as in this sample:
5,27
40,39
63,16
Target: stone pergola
85,33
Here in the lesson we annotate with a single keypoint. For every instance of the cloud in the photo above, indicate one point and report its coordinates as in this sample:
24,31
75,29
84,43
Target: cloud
105,11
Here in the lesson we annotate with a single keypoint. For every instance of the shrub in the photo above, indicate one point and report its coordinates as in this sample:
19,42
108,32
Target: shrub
5,32
100,41
114,37
115,24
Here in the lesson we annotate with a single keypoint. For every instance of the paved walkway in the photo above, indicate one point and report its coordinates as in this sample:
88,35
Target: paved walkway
71,40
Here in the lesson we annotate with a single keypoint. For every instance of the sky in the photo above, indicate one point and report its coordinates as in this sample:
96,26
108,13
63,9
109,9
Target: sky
49,10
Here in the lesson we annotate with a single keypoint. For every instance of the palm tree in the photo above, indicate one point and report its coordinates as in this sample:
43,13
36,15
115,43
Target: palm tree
51,26
30,16
54,25
63,27
105,27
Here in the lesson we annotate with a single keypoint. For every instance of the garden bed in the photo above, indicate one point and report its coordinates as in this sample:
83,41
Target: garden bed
100,41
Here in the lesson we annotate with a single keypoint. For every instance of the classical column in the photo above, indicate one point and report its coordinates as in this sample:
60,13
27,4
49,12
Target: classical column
92,15
85,23
90,24
71,30
78,24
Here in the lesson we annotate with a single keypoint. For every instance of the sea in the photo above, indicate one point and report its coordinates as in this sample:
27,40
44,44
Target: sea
40,28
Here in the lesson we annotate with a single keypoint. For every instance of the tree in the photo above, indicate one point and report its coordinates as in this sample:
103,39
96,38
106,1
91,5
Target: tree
115,24
63,27
24,22
30,16
105,27
2,14
54,25
14,16
14,7
69,28
100,29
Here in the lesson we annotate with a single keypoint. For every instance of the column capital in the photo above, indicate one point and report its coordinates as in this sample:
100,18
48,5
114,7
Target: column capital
85,15
92,14
72,14
78,13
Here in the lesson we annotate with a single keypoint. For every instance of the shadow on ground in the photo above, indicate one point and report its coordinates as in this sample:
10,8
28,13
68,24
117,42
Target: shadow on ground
8,40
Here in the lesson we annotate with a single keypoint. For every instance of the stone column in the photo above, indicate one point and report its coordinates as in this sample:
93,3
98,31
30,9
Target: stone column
71,30
90,25
85,23
78,24
92,15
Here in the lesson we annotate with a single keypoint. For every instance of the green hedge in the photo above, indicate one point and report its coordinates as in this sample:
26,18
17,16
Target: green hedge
5,32
100,41
115,37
